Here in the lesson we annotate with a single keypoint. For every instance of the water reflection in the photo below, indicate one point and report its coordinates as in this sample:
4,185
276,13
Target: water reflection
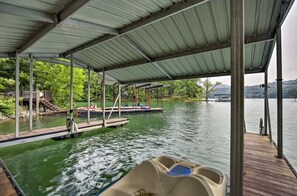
198,132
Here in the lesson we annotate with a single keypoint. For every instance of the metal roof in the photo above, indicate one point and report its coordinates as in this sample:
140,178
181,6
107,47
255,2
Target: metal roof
140,40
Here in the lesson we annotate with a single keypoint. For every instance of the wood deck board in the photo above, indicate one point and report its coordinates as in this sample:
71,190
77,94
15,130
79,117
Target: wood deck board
39,132
6,187
264,173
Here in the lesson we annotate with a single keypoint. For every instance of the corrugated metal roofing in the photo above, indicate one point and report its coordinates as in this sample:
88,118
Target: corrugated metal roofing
199,64
116,14
203,28
47,6
14,30
114,52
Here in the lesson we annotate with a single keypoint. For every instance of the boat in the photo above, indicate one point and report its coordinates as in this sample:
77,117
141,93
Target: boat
167,176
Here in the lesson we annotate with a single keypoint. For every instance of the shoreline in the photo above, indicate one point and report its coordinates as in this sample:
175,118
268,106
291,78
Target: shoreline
22,114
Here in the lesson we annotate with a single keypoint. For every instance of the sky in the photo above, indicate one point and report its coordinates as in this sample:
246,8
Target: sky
289,55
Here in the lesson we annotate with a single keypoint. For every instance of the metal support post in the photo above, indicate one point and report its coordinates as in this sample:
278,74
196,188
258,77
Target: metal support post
89,94
17,94
103,107
265,102
237,97
120,100
71,94
31,94
279,94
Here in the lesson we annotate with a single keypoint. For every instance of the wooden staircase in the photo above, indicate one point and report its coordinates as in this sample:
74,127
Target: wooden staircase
50,106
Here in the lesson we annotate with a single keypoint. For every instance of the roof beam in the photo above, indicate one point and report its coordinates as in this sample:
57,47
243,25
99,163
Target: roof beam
143,85
4,55
89,26
68,11
206,75
58,61
14,10
154,17
224,45
25,55
49,18
141,51
285,9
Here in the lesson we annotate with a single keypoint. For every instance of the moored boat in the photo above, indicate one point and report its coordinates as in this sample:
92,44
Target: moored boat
167,176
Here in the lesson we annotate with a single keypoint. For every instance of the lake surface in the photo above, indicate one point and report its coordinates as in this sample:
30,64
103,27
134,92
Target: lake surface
198,132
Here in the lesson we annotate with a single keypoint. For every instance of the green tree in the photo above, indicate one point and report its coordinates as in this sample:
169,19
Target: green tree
8,71
47,76
6,105
208,87
6,83
187,88
56,78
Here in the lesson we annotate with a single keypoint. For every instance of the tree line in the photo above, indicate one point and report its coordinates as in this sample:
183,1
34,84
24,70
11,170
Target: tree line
56,78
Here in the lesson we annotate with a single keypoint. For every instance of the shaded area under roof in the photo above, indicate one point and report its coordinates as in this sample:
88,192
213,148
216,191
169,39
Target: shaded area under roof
139,41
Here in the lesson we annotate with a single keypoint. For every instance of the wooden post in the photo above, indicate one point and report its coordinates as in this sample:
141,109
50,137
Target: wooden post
37,101
237,97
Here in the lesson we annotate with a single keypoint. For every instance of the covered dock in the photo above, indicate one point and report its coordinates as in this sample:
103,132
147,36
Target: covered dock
145,41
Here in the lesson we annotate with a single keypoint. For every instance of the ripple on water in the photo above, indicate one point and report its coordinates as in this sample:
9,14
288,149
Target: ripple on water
197,132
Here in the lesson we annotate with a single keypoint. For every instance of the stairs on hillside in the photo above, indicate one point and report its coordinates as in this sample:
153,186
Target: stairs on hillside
50,106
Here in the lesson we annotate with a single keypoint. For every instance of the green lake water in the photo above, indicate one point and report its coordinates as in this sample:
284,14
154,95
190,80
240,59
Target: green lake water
197,132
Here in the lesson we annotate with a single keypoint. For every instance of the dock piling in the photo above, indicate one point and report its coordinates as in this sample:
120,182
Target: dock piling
71,94
17,93
31,93
103,89
89,94
237,98
279,93
120,100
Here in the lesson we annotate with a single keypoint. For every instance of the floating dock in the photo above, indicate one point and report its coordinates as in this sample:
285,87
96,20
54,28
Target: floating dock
264,173
47,133
98,112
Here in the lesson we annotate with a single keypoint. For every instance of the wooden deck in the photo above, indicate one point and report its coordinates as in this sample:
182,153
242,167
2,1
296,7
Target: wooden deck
264,173
40,134
8,186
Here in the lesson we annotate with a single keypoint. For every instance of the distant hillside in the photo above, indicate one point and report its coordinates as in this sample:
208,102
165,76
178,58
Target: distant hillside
257,92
